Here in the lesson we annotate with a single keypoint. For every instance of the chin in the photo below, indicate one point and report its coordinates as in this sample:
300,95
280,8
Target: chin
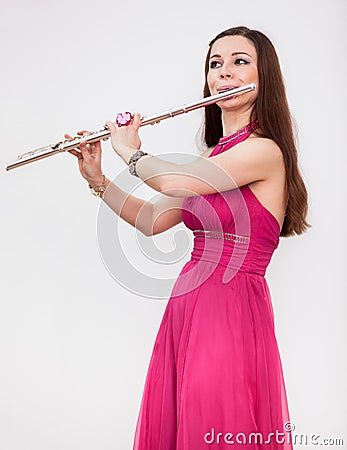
228,104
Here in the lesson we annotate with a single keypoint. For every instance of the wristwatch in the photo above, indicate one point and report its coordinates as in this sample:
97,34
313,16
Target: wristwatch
133,160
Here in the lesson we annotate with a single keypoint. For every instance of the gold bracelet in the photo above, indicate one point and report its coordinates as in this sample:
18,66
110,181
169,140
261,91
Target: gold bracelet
99,192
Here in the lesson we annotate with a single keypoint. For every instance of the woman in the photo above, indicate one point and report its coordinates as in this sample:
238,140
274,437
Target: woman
215,375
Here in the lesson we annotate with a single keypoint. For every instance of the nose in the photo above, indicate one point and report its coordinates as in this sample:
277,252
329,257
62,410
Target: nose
225,71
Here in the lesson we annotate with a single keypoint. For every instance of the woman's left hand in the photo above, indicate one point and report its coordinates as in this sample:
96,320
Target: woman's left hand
125,140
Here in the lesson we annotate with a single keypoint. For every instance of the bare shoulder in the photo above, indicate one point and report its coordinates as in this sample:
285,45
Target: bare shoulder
265,145
259,144
265,152
271,190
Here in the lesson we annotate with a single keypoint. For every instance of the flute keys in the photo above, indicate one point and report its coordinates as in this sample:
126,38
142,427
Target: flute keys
124,119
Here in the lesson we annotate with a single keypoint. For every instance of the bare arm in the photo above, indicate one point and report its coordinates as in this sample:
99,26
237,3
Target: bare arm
249,161
149,218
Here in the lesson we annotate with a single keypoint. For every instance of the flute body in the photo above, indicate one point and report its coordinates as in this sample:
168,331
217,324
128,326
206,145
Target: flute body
65,145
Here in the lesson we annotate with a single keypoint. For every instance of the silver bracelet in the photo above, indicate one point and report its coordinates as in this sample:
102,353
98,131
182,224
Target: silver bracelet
133,160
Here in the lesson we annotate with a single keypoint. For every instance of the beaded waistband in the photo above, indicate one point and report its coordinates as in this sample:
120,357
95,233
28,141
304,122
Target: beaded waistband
221,235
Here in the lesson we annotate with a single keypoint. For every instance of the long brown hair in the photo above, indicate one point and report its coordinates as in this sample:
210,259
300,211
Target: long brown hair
272,111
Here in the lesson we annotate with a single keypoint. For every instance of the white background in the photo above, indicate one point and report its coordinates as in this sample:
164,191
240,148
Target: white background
74,344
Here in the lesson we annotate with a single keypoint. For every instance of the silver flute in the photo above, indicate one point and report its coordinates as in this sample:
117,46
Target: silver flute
104,134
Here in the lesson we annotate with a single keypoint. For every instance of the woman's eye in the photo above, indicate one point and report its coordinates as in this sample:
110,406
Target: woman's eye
238,62
240,59
213,64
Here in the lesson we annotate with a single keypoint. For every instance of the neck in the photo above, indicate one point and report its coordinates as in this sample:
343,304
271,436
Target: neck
234,120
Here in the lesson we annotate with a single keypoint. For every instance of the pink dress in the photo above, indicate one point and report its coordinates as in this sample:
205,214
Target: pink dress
215,375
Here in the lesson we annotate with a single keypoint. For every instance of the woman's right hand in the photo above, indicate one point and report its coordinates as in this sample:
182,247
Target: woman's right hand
89,159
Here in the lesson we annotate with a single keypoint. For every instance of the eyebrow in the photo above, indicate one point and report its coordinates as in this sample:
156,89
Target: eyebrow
233,54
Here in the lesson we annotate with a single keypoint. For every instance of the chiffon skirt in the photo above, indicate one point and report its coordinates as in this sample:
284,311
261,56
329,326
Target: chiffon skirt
215,377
